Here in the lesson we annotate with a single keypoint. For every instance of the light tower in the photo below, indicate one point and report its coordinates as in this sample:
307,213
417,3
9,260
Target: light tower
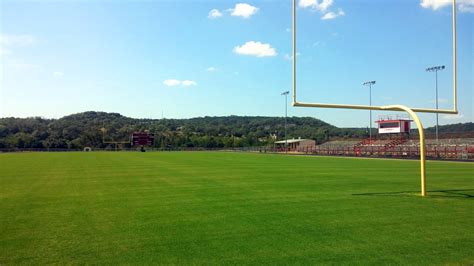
436,69
370,83
285,93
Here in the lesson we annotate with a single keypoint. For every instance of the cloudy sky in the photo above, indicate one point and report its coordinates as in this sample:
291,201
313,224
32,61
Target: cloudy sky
211,58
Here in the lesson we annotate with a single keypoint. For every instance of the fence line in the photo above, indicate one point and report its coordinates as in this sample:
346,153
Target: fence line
448,152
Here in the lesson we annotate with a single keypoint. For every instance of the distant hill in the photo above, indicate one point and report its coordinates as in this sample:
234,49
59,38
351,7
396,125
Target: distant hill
460,127
85,129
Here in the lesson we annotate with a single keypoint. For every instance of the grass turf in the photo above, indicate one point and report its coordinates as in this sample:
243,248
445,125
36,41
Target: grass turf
205,207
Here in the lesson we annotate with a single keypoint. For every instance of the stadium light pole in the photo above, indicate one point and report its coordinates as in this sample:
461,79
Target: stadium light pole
370,83
436,69
285,93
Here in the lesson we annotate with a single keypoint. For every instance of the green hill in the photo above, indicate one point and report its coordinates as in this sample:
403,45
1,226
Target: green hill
84,129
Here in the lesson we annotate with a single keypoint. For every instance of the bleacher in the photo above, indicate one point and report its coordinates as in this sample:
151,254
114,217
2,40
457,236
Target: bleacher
446,148
454,141
379,142
443,142
340,143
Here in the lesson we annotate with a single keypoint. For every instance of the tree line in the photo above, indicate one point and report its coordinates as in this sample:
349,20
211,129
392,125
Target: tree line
94,129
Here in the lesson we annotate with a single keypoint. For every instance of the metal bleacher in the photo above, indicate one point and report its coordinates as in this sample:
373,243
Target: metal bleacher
446,148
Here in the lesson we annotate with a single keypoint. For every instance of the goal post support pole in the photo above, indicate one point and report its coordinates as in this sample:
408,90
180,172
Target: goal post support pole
419,125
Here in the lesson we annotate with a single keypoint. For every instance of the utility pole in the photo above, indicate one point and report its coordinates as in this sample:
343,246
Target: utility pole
436,69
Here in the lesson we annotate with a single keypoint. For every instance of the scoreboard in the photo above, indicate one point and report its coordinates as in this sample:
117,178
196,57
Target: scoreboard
143,139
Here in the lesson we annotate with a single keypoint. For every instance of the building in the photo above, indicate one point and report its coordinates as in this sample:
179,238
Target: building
394,124
296,144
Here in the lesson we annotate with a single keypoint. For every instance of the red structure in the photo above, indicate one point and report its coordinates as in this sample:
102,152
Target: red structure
394,124
143,139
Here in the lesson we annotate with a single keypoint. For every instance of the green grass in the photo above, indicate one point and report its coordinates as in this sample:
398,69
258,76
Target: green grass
207,208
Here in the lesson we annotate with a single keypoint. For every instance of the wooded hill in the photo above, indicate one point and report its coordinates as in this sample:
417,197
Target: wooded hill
85,129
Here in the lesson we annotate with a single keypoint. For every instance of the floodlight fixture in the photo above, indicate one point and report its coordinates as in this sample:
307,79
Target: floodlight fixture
435,68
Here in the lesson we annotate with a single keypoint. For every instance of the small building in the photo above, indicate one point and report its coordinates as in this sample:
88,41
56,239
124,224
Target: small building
394,124
296,144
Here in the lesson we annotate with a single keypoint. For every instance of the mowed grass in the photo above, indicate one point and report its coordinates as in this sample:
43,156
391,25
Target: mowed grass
231,208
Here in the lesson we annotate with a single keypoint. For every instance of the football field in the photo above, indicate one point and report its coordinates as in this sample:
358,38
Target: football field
232,208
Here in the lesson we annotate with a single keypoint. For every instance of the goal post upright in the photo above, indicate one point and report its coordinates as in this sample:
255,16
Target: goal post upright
419,125
455,86
293,32
411,111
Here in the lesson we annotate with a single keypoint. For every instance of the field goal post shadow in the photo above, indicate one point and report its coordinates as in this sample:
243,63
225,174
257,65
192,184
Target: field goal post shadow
411,111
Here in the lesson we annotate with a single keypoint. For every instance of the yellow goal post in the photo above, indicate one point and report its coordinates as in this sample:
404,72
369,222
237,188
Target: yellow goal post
411,111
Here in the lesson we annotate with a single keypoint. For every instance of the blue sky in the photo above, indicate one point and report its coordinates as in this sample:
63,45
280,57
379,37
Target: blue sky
212,58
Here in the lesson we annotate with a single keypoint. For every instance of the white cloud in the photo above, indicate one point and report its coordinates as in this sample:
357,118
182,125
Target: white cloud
58,74
332,15
211,69
467,7
325,4
435,4
9,42
440,100
463,5
175,82
290,57
16,40
4,51
188,83
323,7
316,5
453,117
23,66
214,14
172,82
306,3
243,10
257,49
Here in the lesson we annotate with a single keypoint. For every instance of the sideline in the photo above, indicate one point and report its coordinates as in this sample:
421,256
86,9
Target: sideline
248,152
361,158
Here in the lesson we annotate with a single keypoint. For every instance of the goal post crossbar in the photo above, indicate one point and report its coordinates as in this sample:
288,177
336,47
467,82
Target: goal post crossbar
368,107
